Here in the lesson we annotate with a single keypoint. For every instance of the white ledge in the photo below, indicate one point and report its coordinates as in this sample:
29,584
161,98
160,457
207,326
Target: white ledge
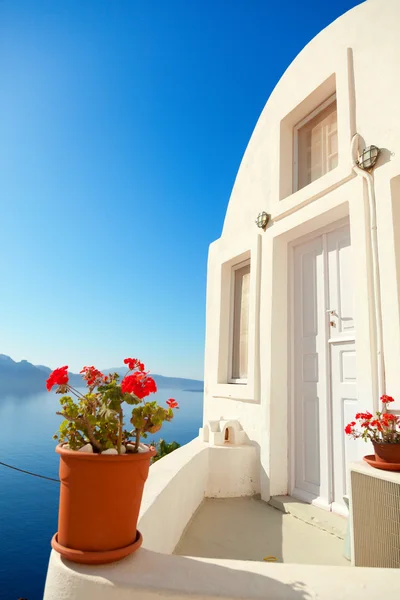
148,575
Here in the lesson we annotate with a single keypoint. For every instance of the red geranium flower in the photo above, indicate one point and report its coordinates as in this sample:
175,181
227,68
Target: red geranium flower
386,399
172,403
388,419
349,428
92,376
138,384
57,377
134,363
366,416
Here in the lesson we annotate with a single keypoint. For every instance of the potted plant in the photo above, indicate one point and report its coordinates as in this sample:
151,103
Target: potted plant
383,429
103,464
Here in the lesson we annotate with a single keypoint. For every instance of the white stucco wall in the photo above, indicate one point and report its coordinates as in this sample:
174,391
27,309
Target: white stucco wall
358,56
233,472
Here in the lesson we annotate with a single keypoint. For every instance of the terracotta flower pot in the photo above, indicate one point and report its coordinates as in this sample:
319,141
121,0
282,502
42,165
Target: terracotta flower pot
100,498
387,453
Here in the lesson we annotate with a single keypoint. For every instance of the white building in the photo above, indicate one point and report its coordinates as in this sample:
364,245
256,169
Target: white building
303,321
303,331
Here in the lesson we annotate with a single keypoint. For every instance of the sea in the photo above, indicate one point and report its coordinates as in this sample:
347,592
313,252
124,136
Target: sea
28,505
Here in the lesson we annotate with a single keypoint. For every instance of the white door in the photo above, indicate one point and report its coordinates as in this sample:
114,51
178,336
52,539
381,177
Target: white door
324,367
342,350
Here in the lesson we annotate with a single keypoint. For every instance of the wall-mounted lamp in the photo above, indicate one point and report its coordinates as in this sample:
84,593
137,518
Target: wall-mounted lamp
263,220
368,158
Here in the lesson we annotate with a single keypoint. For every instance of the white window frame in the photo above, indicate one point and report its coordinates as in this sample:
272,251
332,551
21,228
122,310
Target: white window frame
297,127
230,379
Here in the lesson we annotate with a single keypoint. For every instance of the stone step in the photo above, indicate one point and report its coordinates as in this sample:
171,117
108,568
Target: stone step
317,517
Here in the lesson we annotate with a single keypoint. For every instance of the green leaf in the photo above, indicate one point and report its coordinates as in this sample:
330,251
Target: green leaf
131,399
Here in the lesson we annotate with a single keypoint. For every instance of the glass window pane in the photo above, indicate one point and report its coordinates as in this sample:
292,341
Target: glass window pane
317,146
240,322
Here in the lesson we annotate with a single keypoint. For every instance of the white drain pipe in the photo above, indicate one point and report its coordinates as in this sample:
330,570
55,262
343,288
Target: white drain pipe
375,263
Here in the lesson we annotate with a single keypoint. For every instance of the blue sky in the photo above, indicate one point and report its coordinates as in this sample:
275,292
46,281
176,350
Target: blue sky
123,124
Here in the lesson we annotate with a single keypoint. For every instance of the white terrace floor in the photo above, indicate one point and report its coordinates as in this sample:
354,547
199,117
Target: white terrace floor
250,529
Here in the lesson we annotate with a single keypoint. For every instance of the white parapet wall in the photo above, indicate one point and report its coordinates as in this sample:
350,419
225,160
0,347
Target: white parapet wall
173,492
233,471
148,575
179,482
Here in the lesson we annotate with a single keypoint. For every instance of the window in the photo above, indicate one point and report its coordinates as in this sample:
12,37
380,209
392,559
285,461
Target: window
316,144
240,323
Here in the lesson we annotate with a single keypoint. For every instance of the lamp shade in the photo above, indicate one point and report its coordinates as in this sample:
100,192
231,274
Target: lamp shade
262,220
368,157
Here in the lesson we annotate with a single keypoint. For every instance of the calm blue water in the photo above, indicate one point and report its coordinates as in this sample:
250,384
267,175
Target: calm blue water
28,506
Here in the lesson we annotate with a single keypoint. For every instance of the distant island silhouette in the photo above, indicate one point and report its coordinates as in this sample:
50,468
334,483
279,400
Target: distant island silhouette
24,377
